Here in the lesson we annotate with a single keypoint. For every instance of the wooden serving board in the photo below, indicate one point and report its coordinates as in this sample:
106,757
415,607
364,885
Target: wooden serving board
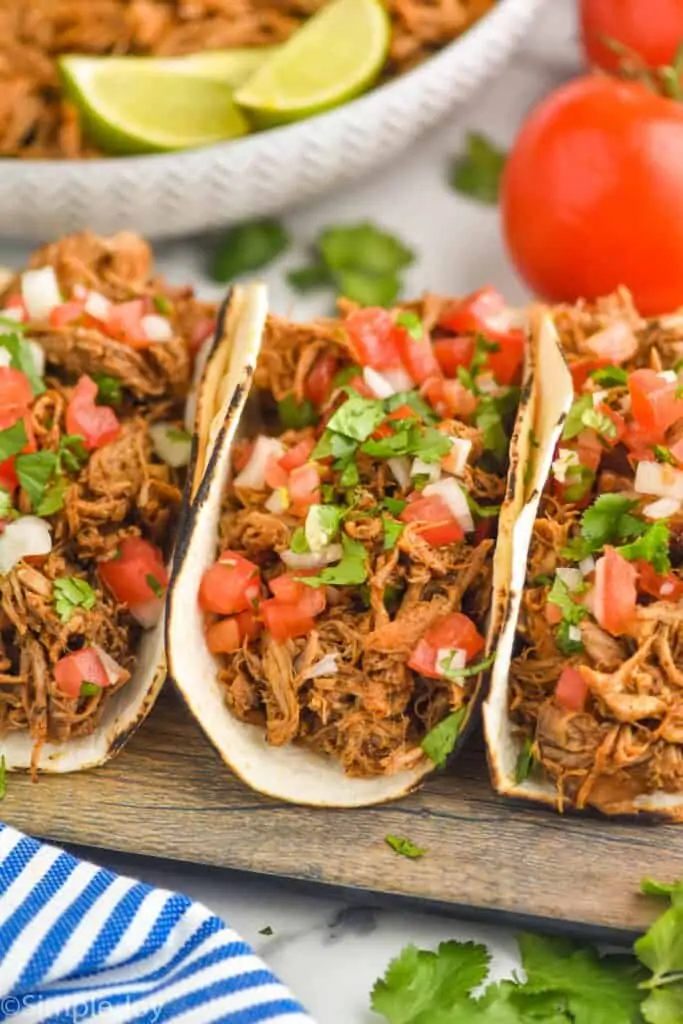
169,795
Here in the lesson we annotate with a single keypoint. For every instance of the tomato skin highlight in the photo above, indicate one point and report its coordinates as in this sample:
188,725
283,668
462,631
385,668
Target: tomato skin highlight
417,356
450,353
304,488
15,389
84,666
506,364
449,398
318,384
591,150
230,585
372,338
571,690
472,313
297,455
615,593
285,621
126,576
96,424
433,510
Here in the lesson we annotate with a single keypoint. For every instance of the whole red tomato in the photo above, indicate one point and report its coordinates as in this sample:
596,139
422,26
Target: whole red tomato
592,194
652,29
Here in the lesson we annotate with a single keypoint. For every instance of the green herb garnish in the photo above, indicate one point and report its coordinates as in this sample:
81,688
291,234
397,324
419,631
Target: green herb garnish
154,585
109,390
351,570
406,847
163,305
90,689
21,358
247,247
478,172
296,415
72,592
607,521
663,454
439,742
652,546
412,324
392,531
525,761
12,440
610,376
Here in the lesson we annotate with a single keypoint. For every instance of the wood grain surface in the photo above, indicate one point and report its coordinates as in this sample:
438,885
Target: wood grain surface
168,795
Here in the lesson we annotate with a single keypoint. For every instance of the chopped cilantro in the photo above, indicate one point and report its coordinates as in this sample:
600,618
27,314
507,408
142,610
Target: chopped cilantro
6,507
345,375
489,418
296,415
406,847
482,511
574,423
350,571
53,498
177,435
154,585
413,439
109,390
350,477
607,521
412,323
298,544
652,546
72,592
663,454
578,481
21,358
72,453
566,640
414,401
392,531
35,471
12,440
357,418
90,689
247,247
394,505
369,289
561,596
525,761
363,248
469,670
477,173
610,376
439,742
163,305
601,423
309,278
482,348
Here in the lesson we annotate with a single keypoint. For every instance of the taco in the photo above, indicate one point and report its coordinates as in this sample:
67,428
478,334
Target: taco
590,711
95,371
330,605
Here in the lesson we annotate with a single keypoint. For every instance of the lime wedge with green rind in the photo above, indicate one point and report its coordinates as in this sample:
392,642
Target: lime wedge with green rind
334,56
130,105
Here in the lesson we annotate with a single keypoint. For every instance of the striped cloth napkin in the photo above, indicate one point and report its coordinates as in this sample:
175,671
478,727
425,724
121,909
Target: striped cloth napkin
80,943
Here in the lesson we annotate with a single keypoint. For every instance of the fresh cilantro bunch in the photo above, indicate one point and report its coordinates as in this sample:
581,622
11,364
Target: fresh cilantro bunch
609,520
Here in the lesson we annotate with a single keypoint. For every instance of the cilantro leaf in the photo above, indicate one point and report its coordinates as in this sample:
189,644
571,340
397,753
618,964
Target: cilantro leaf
595,419
266,931
369,289
664,1005
439,742
363,248
663,454
610,376
21,358
247,247
358,417
671,890
478,172
72,452
109,389
298,544
394,505
491,417
154,585
574,424
89,689
560,595
418,984
163,305
351,570
309,278
661,948
296,415
406,847
53,499
392,531
72,592
607,521
525,761
12,440
35,471
412,324
414,401
652,546
6,507
468,670
426,442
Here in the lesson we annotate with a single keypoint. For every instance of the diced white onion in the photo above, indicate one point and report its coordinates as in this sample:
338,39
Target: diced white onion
379,385
327,666
97,305
667,588
598,397
659,478
587,565
254,473
172,450
574,634
278,501
201,359
572,578
510,317
456,460
566,458
312,560
23,537
5,357
114,672
10,314
157,328
430,469
449,658
400,467
148,613
399,379
38,356
80,292
670,376
317,536
663,508
40,292
453,495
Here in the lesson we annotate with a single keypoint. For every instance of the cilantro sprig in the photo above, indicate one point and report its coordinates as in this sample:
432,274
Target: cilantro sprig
70,593
572,614
607,521
405,847
350,571
478,171
21,358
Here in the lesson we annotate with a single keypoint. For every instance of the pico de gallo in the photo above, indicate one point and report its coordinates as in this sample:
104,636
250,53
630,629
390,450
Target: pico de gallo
348,603
596,685
95,362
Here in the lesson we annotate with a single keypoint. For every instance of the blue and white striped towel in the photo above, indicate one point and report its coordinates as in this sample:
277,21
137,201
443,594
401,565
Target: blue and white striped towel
80,943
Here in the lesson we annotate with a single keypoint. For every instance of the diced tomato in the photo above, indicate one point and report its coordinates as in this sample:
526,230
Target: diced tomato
230,585
137,575
433,510
618,421
15,389
9,416
640,443
124,323
590,449
665,587
455,631
284,621
449,398
617,343
571,690
16,301
67,313
9,481
223,637
450,353
581,369
386,429
417,356
615,592
84,666
297,455
97,424
249,625
201,333
289,590
276,475
318,384
472,313
304,488
506,363
403,412
372,337
654,402
553,613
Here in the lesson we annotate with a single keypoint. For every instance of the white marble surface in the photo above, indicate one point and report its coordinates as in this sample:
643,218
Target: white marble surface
330,954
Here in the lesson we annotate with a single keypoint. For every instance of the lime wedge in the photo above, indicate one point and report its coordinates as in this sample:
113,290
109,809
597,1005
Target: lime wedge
230,66
131,105
337,54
